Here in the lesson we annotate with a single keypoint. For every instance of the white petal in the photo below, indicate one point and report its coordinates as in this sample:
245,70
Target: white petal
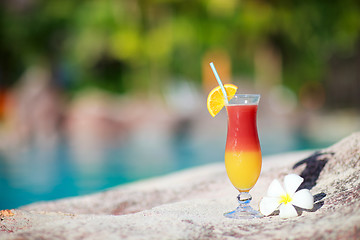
268,205
287,211
292,182
303,199
275,189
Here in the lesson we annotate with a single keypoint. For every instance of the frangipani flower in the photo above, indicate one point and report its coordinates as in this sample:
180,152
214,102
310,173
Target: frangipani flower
285,199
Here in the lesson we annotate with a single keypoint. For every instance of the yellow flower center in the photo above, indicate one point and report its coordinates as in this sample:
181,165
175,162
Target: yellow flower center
285,199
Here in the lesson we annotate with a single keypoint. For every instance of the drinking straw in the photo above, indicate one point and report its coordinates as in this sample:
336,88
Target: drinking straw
219,81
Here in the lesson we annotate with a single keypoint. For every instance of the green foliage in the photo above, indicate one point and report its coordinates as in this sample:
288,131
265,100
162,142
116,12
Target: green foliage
123,45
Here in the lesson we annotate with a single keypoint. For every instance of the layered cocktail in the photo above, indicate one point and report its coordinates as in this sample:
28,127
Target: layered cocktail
242,152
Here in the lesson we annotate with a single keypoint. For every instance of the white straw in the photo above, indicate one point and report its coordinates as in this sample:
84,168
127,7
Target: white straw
219,81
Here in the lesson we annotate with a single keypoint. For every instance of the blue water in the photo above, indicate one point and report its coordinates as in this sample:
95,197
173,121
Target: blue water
34,174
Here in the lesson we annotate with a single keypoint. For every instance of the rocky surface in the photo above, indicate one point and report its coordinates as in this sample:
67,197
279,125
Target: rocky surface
190,204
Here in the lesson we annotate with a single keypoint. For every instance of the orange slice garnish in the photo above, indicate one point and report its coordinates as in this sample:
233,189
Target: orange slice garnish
216,101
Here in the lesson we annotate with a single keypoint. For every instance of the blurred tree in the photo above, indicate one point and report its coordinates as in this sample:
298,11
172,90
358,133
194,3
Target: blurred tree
137,45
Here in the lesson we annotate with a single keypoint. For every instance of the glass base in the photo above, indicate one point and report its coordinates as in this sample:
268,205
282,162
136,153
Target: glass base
244,210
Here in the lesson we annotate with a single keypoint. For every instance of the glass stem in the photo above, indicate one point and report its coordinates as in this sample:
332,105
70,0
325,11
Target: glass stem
244,199
244,210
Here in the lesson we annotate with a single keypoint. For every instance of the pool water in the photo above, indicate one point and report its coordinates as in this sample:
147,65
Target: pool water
36,174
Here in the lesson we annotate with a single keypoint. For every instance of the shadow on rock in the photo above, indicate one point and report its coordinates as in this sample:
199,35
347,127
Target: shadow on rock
318,201
314,165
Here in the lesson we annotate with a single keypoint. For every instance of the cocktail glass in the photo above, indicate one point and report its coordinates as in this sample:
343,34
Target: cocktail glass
242,151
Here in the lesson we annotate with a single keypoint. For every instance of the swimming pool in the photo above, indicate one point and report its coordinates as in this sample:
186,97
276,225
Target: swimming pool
36,173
